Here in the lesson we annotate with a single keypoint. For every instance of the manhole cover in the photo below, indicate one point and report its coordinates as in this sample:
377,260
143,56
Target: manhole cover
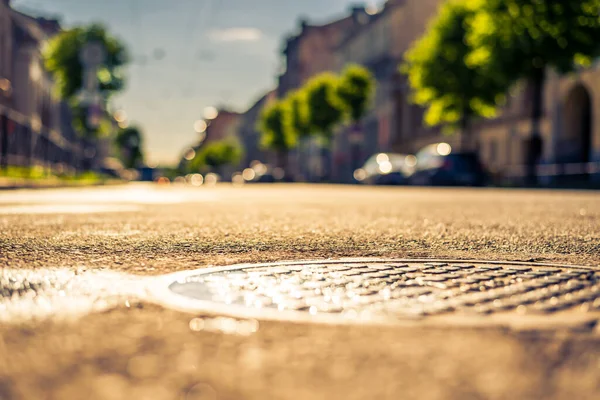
392,290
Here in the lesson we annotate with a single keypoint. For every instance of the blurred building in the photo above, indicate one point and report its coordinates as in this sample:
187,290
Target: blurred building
312,50
571,103
378,40
6,77
371,45
249,134
224,125
35,127
309,52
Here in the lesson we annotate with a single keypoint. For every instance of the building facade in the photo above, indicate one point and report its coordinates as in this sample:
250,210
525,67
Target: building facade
570,132
312,50
306,54
369,45
378,41
249,134
225,125
35,126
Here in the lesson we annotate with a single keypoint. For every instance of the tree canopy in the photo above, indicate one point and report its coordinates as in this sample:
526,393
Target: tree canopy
298,115
274,124
214,155
522,37
355,90
62,60
129,143
326,109
475,50
451,89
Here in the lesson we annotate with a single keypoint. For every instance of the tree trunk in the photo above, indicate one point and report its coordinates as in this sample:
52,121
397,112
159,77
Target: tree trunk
465,134
302,157
533,145
282,162
326,159
46,155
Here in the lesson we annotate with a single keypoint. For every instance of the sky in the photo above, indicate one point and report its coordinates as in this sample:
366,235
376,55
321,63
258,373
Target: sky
190,54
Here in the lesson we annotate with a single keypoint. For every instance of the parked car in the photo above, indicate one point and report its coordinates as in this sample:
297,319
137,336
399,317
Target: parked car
386,169
263,173
438,165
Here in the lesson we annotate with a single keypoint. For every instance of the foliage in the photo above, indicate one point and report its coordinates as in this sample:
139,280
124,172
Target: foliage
298,118
275,128
355,89
475,50
217,154
325,107
129,143
79,114
38,173
17,172
62,60
451,90
522,37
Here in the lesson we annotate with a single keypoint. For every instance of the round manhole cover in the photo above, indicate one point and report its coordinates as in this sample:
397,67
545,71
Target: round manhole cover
392,290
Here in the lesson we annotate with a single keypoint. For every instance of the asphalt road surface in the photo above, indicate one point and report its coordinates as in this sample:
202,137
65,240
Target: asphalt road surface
131,349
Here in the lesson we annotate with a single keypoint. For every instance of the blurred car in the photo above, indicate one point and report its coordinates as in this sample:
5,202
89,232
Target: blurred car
438,165
386,169
263,173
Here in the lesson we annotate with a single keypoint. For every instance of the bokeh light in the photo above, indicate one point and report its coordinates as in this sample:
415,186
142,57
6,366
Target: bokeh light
381,158
372,9
211,179
385,167
260,169
360,174
200,126
120,116
5,85
190,154
211,112
444,149
249,174
410,161
196,180
237,179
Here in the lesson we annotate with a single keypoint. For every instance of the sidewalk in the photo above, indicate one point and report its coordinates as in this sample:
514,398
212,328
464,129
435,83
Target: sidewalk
20,183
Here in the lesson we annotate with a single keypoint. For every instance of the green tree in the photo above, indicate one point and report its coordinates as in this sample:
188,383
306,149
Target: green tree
355,90
215,155
62,60
521,39
277,133
326,110
129,146
299,123
299,114
452,91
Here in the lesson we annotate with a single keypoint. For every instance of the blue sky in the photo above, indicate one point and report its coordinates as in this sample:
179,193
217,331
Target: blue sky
216,52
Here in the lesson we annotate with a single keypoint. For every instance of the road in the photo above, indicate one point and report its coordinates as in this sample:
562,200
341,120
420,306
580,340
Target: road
137,350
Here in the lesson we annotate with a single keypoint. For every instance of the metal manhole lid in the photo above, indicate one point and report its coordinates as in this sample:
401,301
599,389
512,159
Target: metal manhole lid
361,290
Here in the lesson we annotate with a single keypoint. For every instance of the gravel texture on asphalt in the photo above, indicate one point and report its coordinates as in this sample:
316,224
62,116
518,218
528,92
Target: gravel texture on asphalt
146,352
